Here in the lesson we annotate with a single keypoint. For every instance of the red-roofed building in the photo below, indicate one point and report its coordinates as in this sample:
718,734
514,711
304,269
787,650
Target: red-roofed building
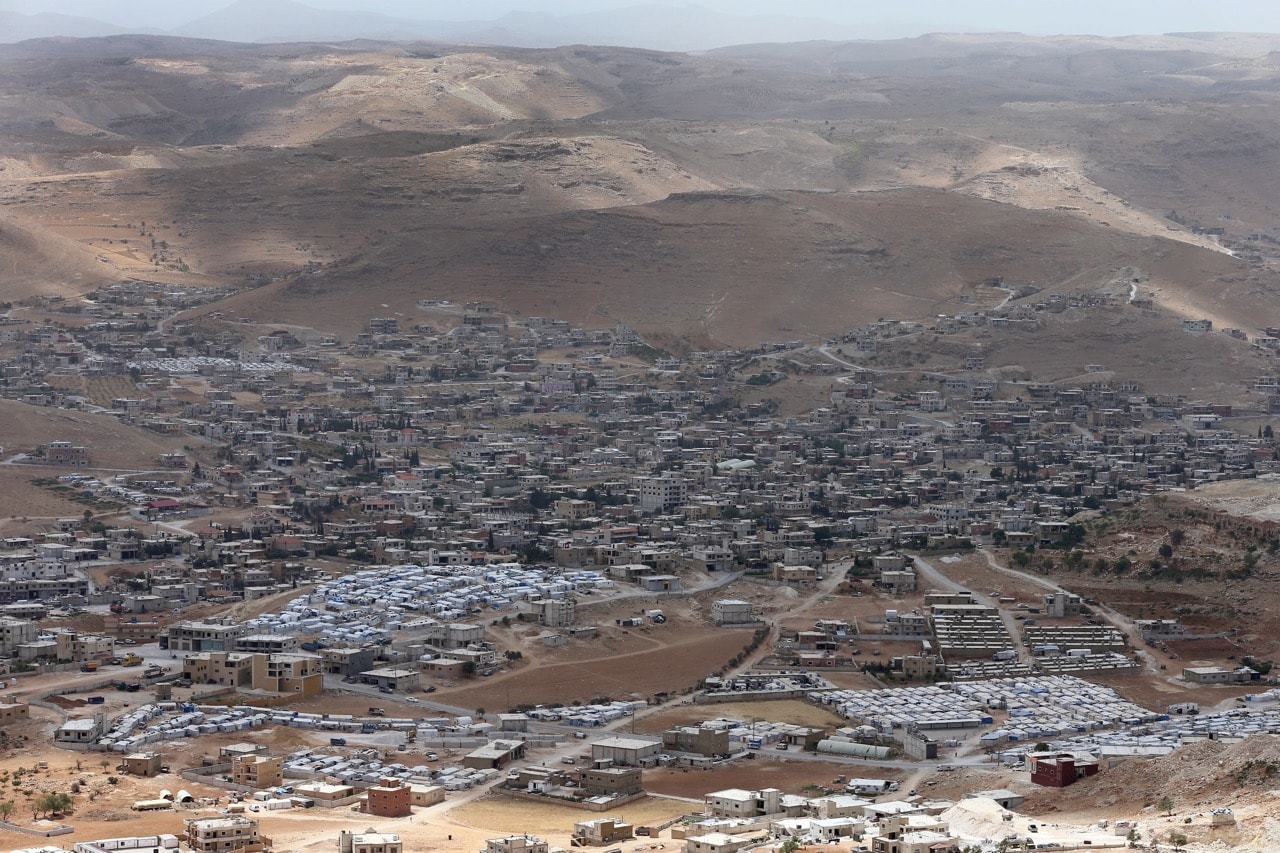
1059,771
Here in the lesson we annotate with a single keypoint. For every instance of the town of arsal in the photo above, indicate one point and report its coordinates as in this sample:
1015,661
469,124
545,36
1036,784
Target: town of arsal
773,433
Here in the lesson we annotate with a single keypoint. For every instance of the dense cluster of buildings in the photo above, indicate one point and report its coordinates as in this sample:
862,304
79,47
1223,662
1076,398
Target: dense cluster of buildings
388,450
670,467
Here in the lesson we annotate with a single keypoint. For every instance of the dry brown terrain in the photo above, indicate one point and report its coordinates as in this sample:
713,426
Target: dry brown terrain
789,776
768,192
721,199
673,665
111,443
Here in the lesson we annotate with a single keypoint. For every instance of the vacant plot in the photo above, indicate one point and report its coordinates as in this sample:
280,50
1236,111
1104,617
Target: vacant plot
112,444
20,498
671,668
1158,693
791,776
504,815
1213,649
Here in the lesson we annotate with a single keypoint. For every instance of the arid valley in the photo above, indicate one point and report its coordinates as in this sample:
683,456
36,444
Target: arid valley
860,445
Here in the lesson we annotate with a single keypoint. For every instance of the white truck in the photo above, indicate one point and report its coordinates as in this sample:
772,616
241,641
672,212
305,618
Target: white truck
870,787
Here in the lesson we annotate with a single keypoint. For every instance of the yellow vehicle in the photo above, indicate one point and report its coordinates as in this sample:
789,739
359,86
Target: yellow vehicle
131,660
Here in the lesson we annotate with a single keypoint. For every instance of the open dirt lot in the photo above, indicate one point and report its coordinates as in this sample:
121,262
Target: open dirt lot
1157,693
674,666
501,814
789,776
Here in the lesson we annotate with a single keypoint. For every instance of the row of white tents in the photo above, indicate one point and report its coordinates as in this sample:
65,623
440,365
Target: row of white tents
1037,706
368,605
361,772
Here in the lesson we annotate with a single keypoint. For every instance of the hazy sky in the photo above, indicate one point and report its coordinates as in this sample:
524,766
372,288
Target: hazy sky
1100,17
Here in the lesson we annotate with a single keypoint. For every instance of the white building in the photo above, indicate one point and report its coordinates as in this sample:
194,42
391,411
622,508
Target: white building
662,493
732,611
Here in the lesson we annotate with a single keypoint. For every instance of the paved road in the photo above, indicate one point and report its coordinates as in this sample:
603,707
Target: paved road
936,578
1117,620
927,569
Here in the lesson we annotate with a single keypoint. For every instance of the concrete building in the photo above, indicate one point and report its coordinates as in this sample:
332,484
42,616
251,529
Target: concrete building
601,831
80,732
324,791
703,740
389,798
267,643
494,755
1059,771
555,612
223,835
204,635
1005,798
916,841
717,842
393,678
294,674
142,764
626,751
65,453
732,611
426,795
348,662
369,842
1218,675
1062,604
232,751
662,493
140,631
15,632
611,781
736,802
13,711
257,771
515,844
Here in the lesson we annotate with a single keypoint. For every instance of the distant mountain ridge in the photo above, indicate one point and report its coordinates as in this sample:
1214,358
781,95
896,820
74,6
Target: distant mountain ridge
15,27
655,27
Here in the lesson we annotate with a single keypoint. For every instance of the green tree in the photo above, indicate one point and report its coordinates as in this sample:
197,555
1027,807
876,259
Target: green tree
1165,805
56,803
1177,839
6,809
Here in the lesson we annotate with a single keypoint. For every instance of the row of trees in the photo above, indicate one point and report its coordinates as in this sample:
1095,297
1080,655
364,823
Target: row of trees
50,804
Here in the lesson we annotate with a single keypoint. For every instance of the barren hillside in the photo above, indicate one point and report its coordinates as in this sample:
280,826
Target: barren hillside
728,198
